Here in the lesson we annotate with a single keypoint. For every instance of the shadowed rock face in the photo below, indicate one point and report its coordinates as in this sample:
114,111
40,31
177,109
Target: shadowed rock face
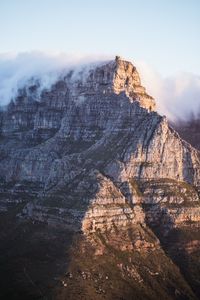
92,156
189,130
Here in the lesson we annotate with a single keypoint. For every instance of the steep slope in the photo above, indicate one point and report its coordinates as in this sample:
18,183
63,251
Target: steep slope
93,158
189,130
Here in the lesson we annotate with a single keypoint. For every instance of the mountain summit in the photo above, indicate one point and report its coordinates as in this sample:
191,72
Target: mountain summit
90,159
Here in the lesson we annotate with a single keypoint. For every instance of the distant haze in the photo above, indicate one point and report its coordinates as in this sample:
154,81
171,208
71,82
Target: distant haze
176,96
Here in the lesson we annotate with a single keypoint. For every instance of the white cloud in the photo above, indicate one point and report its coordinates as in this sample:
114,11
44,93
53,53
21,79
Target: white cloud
16,69
176,96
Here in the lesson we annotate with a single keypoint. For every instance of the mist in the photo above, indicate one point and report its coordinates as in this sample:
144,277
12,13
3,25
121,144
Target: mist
17,69
177,97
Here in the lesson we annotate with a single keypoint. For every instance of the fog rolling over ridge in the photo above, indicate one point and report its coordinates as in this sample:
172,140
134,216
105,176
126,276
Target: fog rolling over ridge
16,71
177,97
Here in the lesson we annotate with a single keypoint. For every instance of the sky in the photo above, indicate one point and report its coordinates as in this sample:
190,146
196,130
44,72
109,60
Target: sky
163,33
161,37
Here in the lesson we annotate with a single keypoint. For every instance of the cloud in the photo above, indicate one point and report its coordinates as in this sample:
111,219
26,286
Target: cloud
177,97
17,69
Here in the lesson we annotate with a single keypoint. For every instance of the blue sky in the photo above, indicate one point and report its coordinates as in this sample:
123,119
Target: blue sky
163,33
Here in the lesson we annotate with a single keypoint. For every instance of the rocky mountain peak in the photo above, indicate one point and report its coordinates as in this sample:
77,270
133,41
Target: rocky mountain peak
116,76
91,157
126,78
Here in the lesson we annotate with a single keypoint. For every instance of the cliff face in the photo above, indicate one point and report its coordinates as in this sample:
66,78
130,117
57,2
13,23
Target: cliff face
92,155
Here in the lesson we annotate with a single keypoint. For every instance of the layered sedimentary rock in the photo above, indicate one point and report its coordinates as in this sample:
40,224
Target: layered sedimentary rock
92,155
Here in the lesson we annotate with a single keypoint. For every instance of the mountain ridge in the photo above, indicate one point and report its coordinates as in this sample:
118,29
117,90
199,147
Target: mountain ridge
94,158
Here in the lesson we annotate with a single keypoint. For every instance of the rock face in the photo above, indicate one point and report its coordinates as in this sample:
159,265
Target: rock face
189,130
92,155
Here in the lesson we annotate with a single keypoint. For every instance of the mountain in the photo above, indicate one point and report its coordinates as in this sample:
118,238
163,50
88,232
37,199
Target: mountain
99,196
189,130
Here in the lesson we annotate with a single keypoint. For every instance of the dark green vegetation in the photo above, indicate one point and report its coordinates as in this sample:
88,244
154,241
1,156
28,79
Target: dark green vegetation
182,245
136,274
32,258
44,262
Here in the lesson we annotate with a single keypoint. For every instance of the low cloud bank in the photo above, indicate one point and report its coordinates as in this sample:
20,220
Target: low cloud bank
16,70
177,97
